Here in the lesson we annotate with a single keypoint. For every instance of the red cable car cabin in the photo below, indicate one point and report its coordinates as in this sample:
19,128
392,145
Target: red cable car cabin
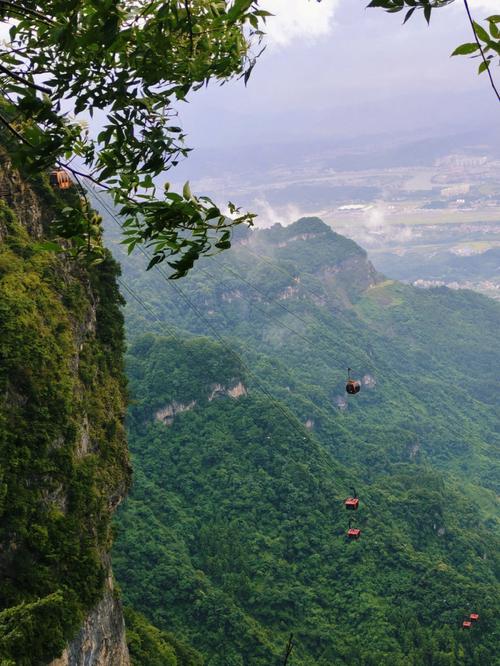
60,179
353,386
474,617
352,503
353,532
466,624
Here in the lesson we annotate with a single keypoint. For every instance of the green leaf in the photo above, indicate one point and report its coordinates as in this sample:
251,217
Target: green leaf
483,66
465,49
408,14
481,32
223,245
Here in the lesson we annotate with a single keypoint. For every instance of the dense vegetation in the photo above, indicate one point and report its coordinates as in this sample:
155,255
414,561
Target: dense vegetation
234,535
148,646
63,456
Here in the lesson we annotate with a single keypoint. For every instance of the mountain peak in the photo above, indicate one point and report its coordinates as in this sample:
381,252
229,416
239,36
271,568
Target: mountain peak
309,225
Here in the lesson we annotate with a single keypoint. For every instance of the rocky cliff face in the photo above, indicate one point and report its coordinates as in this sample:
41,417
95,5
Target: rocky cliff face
101,640
63,457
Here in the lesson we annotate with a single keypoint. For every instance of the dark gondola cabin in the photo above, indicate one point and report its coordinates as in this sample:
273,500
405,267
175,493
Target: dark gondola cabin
353,386
60,179
352,503
474,617
466,624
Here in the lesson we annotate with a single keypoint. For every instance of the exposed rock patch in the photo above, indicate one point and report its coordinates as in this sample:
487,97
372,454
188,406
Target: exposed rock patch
168,413
101,640
369,381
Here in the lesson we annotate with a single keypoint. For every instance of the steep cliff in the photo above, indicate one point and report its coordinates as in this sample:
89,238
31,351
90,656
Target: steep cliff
63,457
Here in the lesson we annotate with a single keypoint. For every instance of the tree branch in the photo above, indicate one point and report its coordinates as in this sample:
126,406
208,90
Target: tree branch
24,81
289,647
190,23
13,131
487,62
21,11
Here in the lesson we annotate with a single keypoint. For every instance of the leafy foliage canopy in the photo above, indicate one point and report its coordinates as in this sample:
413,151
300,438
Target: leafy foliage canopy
129,63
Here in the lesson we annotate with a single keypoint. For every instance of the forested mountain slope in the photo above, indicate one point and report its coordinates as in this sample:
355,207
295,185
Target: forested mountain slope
234,535
309,300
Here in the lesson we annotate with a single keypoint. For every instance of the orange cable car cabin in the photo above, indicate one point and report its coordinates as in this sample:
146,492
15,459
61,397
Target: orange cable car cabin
353,386
466,624
59,179
474,617
352,503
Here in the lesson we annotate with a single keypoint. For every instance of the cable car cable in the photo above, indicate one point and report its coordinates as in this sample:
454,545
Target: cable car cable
148,309
293,422
303,337
250,284
224,343
221,340
261,291
200,315
291,275
352,387
276,267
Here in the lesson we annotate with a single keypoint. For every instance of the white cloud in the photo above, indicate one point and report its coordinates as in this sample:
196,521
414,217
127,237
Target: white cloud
269,215
489,5
479,8
298,19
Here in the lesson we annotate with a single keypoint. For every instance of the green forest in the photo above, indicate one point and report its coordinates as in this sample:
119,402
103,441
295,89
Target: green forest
234,535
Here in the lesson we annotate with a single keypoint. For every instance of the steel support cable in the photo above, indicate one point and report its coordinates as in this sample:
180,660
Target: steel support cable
148,309
261,291
213,277
276,267
285,272
273,265
267,314
200,314
234,354
314,344
315,318
135,296
216,333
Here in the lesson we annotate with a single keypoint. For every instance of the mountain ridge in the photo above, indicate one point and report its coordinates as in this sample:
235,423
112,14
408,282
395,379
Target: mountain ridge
419,443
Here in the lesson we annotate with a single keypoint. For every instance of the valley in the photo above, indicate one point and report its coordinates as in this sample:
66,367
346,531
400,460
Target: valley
420,208
234,534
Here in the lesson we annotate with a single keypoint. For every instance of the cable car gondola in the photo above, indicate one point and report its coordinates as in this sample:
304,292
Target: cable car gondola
59,179
352,503
353,532
466,624
474,617
353,386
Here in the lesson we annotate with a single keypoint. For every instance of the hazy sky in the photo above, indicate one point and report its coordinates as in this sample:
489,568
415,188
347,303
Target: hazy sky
337,69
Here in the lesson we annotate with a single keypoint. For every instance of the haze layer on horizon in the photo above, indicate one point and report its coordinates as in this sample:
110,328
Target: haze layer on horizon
335,72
